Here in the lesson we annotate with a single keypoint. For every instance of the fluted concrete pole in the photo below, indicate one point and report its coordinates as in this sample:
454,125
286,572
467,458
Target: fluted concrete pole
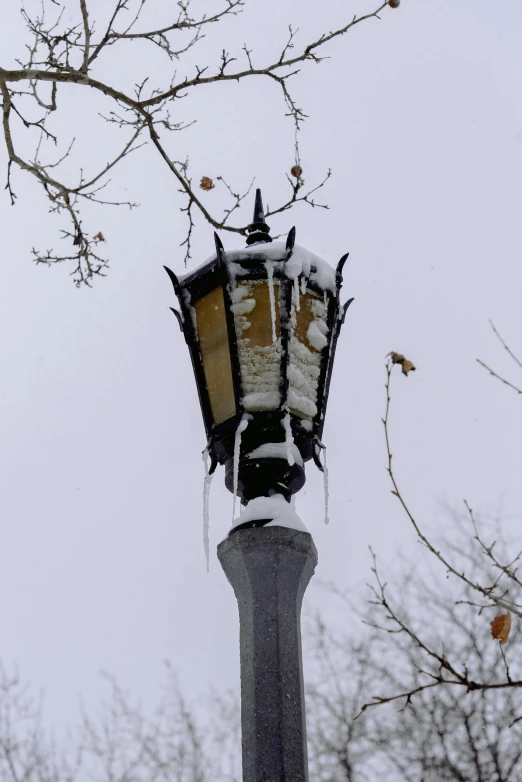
269,569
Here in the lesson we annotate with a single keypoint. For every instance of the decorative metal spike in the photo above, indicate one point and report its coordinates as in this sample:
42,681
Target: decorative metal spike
219,243
174,280
258,230
213,463
339,270
345,310
179,319
259,212
290,239
318,445
211,451
219,249
317,450
317,461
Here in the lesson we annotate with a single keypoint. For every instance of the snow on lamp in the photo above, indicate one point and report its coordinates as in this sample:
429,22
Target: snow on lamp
261,324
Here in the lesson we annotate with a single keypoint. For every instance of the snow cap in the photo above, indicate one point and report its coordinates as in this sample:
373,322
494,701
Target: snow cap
276,508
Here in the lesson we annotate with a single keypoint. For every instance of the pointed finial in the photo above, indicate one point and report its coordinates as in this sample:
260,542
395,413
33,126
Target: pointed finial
258,230
259,212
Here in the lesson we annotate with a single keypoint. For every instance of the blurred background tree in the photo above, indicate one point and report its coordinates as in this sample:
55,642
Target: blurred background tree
375,706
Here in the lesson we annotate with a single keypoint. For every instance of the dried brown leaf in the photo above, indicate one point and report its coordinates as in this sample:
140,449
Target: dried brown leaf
206,183
99,237
398,358
500,627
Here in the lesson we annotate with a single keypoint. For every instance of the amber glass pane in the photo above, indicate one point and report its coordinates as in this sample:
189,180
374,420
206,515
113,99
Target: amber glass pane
260,318
259,353
213,341
304,317
306,343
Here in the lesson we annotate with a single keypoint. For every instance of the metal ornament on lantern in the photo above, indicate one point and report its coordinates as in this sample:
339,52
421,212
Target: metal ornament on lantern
261,325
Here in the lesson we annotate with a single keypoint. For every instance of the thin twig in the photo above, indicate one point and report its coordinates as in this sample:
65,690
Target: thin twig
487,592
505,346
502,379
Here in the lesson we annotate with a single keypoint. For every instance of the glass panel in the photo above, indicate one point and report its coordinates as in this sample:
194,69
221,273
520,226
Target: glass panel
213,342
309,337
257,324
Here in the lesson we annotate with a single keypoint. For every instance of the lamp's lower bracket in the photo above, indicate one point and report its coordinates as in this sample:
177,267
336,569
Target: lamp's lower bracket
263,477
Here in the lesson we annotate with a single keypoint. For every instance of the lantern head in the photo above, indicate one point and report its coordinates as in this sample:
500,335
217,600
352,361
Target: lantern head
261,324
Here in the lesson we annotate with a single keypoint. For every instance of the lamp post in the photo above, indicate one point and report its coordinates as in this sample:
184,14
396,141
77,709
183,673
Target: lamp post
261,324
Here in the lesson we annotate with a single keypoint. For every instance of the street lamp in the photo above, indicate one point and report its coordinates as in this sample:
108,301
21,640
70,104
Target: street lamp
261,325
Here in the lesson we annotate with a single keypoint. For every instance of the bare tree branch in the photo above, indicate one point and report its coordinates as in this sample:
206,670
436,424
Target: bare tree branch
496,593
422,729
446,673
515,359
502,379
64,52
511,354
87,36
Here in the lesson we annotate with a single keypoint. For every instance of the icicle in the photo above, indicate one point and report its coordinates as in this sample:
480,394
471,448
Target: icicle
270,274
206,497
326,492
187,300
303,285
289,439
296,291
237,447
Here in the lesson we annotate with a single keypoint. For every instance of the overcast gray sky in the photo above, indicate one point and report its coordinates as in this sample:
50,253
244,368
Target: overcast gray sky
101,556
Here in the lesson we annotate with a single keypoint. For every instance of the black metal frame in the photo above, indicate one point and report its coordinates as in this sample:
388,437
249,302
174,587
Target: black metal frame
263,426
231,326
